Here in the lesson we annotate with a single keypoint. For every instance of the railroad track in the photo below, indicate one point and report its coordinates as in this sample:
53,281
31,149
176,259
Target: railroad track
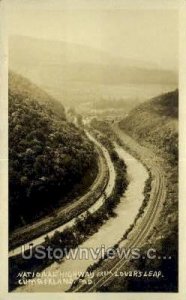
70,208
140,234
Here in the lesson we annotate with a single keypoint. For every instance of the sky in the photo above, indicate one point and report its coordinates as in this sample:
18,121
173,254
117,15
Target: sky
143,32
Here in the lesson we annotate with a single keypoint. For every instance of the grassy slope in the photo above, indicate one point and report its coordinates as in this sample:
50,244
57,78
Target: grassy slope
155,123
49,158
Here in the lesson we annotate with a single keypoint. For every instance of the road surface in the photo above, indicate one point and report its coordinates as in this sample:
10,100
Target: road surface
106,166
144,226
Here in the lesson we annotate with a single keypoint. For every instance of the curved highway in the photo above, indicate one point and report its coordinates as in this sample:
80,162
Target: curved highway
144,225
105,166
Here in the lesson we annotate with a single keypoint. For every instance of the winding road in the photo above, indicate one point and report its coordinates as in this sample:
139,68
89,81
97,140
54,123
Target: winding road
106,169
145,224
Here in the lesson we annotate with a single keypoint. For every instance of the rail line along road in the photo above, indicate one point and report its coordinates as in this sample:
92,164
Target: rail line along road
102,187
144,225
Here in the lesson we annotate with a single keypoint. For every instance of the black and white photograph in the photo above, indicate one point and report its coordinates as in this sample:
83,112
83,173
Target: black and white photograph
93,147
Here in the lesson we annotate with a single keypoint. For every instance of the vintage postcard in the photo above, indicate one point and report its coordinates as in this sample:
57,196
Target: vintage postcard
91,98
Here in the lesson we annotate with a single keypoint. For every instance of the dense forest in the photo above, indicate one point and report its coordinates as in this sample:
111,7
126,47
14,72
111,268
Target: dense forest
49,157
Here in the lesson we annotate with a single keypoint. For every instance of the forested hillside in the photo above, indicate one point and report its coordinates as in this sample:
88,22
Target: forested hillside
50,160
23,88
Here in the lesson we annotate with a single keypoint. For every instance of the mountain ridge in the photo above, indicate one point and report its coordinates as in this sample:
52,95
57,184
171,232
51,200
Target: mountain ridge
53,65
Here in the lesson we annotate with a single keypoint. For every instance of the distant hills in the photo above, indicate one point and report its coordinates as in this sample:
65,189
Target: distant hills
58,65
